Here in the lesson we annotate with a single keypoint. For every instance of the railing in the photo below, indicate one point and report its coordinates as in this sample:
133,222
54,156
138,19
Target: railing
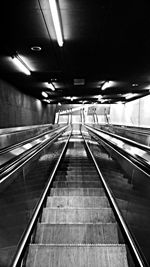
15,165
136,159
19,144
135,250
18,258
129,141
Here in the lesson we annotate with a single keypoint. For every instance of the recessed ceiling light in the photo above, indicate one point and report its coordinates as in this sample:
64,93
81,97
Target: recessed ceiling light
135,84
36,48
44,94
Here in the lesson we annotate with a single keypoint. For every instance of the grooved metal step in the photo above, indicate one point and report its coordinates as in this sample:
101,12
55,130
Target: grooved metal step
77,192
61,215
77,177
78,184
73,256
77,201
77,233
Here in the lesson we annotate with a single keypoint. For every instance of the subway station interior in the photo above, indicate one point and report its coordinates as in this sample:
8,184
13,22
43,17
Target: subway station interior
74,133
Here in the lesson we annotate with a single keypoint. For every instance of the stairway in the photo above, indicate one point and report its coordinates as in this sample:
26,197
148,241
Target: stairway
77,227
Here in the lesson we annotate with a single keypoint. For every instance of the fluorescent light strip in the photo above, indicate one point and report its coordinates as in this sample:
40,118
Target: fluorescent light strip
50,86
56,21
21,65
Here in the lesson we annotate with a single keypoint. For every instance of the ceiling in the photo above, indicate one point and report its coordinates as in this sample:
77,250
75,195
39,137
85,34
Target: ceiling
104,41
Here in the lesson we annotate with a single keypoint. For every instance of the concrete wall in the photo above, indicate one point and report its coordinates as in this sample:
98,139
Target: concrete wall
18,109
134,113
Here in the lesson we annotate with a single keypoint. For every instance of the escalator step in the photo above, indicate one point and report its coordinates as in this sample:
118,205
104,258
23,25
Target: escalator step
77,233
78,215
81,256
77,178
77,201
77,184
77,192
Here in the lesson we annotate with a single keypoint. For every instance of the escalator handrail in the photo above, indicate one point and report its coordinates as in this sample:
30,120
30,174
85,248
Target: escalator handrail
139,162
19,163
131,142
11,147
136,129
28,232
138,255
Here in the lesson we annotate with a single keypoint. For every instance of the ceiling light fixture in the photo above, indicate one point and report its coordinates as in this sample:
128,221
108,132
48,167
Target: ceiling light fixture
50,86
107,85
99,97
47,101
21,65
56,21
36,48
128,96
44,94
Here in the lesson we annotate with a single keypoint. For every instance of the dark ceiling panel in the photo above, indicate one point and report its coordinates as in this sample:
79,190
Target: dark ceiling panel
103,40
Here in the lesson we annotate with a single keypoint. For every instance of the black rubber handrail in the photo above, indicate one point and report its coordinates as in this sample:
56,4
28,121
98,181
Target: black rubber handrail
10,162
132,243
11,147
28,232
128,141
138,161
136,129
19,163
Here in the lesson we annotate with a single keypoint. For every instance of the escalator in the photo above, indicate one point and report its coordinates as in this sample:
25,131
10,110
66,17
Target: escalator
77,226
73,205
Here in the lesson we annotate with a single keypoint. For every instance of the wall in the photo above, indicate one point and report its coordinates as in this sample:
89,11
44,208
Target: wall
134,113
18,109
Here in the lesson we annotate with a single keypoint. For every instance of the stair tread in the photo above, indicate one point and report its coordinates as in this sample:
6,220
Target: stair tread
77,191
76,233
77,178
77,201
81,256
77,184
75,215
